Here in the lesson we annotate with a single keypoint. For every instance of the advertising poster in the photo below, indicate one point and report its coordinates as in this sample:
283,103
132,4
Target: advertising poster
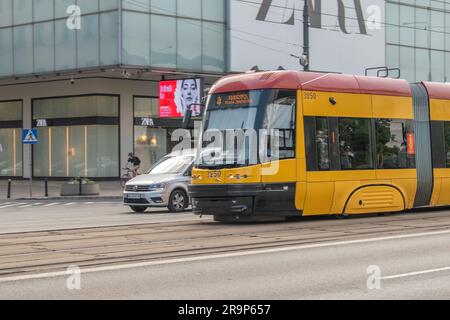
346,36
177,96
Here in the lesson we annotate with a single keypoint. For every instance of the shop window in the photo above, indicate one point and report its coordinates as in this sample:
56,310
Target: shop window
146,107
150,142
81,137
11,139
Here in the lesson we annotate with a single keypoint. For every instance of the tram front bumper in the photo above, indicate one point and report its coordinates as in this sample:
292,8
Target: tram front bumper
244,200
224,199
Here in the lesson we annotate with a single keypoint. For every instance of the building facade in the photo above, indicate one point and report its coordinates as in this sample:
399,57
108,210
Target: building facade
87,72
418,39
346,36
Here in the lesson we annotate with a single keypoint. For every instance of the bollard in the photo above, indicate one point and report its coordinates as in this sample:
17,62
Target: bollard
9,188
46,188
81,187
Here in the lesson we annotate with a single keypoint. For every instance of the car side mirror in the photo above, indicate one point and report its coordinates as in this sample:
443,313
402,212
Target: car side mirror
187,118
188,172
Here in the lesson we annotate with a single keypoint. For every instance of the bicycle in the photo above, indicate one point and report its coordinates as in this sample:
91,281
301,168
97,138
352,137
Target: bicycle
127,176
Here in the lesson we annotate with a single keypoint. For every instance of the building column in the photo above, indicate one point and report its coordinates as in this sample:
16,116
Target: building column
27,123
126,127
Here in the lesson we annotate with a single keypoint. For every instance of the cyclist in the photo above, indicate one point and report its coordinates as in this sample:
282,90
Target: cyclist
135,163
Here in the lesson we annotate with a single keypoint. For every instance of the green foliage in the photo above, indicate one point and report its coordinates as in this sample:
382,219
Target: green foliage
83,181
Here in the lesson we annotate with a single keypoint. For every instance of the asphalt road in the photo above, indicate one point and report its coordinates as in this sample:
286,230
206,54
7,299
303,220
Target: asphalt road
338,272
403,256
23,216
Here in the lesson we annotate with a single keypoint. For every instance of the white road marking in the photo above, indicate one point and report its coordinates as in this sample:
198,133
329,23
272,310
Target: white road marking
12,205
51,204
26,206
37,204
88,203
224,255
70,204
417,273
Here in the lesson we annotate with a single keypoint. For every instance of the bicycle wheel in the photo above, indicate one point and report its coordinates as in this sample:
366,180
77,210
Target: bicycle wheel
123,181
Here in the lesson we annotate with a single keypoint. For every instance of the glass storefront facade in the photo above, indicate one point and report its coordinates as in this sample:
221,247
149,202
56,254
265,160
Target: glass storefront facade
175,34
37,36
81,138
418,39
11,139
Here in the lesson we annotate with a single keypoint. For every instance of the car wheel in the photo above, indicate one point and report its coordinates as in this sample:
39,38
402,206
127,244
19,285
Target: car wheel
178,201
138,209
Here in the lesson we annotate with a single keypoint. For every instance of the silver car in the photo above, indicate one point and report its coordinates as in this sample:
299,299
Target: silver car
164,185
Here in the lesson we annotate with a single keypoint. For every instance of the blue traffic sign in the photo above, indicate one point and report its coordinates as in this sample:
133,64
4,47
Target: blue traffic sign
30,136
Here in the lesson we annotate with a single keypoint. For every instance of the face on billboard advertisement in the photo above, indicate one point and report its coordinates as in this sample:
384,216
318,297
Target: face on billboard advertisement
176,96
346,36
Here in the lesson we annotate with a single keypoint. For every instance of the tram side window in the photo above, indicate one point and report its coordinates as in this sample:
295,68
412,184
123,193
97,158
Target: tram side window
393,151
354,143
322,143
280,116
447,143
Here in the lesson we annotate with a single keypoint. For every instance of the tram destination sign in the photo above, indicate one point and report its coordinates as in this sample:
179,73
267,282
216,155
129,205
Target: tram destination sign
234,100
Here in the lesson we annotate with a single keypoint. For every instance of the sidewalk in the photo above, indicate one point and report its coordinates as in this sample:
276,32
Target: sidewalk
110,190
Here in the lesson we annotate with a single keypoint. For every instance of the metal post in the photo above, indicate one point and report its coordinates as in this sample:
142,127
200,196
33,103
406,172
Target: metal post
9,189
81,187
306,35
31,171
46,187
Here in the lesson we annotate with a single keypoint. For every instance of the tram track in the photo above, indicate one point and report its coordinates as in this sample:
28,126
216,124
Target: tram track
50,251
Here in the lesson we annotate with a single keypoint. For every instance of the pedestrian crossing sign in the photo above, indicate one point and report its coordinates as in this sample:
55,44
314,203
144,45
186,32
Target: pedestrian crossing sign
30,136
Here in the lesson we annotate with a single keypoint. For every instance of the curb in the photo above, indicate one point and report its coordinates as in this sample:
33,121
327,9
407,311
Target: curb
82,198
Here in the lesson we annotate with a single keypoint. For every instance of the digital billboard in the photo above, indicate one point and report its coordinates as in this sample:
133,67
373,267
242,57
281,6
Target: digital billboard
177,96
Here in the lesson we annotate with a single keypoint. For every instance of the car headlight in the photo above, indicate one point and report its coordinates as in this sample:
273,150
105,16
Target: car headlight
157,187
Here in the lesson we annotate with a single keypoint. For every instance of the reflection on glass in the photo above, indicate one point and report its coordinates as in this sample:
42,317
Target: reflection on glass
11,152
70,150
322,141
280,116
355,144
150,145
447,143
171,165
77,151
11,139
392,144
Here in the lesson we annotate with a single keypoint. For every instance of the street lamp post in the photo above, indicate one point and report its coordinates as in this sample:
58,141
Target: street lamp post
305,54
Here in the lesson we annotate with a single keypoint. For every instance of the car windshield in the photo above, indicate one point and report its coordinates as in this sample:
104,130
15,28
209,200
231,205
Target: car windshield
171,165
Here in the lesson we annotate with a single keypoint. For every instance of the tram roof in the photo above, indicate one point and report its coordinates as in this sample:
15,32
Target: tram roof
437,90
311,81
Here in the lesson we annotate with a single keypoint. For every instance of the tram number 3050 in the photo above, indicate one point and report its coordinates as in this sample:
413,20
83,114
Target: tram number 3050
214,174
310,96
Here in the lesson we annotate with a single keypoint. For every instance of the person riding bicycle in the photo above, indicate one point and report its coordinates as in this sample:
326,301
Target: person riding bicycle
135,164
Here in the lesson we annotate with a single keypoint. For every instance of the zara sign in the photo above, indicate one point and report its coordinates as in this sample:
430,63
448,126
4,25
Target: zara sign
345,35
372,22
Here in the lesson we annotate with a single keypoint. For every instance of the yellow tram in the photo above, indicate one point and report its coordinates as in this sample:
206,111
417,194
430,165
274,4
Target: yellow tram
348,145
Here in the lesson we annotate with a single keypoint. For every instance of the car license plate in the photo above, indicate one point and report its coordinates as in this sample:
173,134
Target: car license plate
214,174
135,196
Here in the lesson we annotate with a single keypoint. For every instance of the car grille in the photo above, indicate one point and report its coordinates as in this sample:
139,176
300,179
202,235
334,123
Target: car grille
137,188
136,201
